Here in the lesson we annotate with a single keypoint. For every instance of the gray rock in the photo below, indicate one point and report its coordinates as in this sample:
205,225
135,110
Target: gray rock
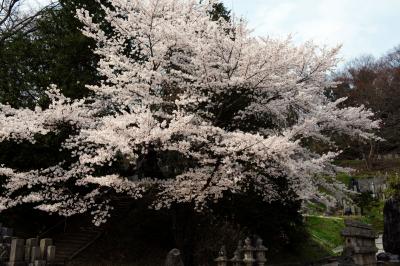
383,256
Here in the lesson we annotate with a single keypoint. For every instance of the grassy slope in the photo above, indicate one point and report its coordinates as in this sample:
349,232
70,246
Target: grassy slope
323,236
325,231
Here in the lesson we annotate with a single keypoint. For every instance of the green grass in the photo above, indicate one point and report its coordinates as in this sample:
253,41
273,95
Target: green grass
374,216
315,208
325,231
344,178
323,235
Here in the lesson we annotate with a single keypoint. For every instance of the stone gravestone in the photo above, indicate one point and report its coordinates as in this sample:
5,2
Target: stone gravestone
35,254
17,252
174,258
44,243
391,235
29,244
51,253
360,240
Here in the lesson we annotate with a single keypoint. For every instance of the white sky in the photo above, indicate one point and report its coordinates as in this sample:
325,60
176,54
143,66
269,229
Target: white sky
361,26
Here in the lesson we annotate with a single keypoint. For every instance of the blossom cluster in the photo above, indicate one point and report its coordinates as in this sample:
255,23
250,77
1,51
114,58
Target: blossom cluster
235,110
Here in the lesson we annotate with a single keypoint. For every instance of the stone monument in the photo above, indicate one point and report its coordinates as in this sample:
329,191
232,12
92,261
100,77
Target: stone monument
360,240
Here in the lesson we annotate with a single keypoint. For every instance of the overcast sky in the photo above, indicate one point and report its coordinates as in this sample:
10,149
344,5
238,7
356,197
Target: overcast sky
362,26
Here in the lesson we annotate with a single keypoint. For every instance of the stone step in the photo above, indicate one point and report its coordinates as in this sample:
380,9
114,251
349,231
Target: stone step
62,243
72,246
80,236
70,243
68,239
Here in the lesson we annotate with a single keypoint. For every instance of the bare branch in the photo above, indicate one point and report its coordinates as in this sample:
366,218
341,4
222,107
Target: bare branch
13,20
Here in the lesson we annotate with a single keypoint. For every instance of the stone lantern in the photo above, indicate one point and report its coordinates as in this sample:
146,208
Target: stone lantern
237,255
248,251
222,259
360,239
260,251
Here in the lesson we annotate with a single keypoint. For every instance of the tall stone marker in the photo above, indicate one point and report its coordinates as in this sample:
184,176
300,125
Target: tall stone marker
44,243
360,239
51,253
29,244
17,252
35,254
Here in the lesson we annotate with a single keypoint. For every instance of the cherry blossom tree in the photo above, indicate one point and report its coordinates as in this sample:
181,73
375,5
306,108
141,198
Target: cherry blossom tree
190,108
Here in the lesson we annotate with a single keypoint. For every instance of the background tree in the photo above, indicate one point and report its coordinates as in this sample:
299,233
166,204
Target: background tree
15,22
375,84
52,51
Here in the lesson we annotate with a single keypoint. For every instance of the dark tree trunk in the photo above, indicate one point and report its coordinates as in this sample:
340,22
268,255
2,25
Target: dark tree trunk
184,232
391,236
